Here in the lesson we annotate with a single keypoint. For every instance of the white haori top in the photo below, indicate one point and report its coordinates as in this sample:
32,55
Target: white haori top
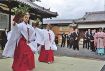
39,35
17,32
49,40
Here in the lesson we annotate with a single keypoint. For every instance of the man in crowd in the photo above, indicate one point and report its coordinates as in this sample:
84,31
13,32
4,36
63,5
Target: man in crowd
63,39
88,34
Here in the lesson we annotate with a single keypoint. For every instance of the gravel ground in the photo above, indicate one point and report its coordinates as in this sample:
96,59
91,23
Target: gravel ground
82,53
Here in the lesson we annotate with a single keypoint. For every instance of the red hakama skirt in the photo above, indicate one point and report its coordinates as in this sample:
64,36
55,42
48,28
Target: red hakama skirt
46,55
23,57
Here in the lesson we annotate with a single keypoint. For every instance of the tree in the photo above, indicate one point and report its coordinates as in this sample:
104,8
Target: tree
35,0
38,0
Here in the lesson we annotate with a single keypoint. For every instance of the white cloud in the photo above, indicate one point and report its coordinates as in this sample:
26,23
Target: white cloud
69,9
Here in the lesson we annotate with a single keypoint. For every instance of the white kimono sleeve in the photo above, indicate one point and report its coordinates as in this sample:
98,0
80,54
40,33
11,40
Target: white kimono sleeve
9,35
11,43
46,40
39,36
53,45
33,43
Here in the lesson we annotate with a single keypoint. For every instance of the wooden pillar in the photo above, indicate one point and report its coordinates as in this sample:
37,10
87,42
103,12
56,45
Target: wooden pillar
9,5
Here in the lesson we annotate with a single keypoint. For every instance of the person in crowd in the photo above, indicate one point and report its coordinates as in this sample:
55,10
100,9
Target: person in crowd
84,40
99,41
71,39
63,39
68,40
92,40
56,39
88,34
76,39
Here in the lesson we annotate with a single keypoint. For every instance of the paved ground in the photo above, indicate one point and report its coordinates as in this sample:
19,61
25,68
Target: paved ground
66,60
62,63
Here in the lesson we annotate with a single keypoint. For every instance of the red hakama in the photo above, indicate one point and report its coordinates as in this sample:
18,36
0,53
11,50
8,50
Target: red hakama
46,55
23,57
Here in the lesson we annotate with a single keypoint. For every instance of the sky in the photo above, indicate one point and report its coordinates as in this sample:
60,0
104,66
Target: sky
72,9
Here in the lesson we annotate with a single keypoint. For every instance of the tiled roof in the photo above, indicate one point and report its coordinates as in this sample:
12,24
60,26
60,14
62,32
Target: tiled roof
98,16
35,6
63,21
45,13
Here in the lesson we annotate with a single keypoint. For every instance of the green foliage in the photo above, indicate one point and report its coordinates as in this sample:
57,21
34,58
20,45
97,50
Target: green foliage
38,0
38,20
21,9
